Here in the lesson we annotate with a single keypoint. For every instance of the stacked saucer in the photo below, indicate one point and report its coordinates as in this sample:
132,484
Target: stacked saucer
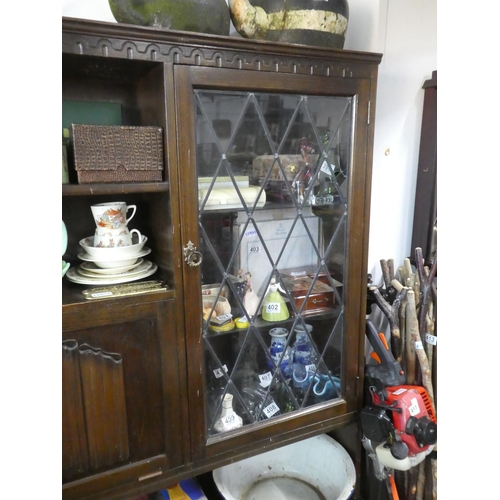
111,265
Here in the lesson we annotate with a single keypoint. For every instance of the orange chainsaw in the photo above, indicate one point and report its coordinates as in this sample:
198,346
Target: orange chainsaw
399,427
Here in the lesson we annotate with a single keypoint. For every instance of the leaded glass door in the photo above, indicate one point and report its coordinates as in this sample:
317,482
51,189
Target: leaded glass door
272,172
274,189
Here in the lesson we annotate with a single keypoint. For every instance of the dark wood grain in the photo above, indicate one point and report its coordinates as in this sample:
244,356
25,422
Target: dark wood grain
152,73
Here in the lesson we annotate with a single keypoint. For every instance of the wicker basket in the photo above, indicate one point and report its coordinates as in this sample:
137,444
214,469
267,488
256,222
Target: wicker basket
117,154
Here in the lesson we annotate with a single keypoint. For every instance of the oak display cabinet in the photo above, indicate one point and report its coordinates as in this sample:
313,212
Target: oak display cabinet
259,226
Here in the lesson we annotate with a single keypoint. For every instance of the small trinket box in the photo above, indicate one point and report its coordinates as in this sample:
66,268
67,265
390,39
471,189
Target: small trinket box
299,281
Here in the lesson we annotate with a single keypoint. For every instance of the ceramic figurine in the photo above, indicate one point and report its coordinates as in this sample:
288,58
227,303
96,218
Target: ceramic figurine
240,286
274,307
251,300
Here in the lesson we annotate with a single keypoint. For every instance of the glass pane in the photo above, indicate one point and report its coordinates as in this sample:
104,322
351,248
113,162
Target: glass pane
272,190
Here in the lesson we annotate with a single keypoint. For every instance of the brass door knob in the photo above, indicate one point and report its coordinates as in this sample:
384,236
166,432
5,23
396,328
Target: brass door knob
191,255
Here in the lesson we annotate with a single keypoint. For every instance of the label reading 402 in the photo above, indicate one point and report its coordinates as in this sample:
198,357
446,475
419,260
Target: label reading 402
273,307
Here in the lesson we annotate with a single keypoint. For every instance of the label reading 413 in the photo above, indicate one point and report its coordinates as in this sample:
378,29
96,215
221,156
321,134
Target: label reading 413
431,339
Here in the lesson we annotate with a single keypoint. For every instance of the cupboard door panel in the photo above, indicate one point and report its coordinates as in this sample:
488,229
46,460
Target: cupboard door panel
121,381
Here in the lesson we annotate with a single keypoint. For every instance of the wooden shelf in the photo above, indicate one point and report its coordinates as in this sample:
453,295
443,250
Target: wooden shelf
96,189
72,293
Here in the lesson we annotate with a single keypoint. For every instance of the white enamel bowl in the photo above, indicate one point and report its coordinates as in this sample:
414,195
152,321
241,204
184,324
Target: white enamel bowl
113,253
313,469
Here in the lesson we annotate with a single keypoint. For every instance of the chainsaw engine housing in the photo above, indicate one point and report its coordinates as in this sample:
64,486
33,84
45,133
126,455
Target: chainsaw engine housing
412,415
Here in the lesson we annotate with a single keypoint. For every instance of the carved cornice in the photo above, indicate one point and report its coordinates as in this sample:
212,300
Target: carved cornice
121,41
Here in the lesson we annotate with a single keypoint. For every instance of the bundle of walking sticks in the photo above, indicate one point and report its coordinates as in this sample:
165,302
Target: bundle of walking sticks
408,299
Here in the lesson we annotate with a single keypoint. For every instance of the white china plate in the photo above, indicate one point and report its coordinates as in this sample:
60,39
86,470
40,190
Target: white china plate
73,276
144,266
88,258
90,267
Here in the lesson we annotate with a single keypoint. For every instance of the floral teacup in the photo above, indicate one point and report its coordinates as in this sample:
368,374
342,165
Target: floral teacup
112,238
112,215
